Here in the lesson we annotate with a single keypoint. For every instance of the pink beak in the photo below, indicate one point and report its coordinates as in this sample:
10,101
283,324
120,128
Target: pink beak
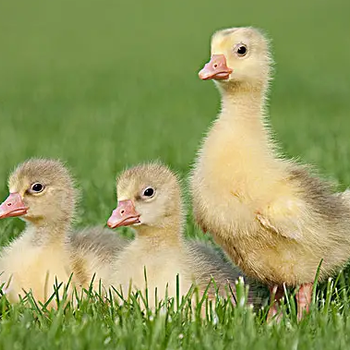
216,69
124,215
13,206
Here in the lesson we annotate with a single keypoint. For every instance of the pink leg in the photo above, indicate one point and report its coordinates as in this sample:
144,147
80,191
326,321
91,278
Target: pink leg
276,294
304,296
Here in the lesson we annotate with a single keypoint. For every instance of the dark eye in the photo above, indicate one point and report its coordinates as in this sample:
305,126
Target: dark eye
148,192
241,50
36,187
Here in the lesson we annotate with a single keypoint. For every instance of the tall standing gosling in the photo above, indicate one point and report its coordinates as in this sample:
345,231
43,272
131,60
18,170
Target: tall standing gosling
149,199
42,193
274,218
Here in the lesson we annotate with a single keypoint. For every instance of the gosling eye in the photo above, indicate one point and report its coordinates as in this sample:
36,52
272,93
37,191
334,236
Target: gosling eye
241,50
36,187
148,192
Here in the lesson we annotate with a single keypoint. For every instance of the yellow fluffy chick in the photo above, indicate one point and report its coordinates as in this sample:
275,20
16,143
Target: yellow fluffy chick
149,199
42,193
273,217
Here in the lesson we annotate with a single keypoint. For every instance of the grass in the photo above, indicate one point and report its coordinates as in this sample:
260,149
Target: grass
107,84
94,324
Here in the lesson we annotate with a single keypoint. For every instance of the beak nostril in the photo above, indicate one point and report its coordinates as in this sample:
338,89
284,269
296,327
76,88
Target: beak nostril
122,212
9,204
215,65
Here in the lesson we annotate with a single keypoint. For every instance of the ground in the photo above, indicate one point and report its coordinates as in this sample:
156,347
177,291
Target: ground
107,84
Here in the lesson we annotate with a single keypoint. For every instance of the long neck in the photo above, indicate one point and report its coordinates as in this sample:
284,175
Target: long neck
241,124
243,110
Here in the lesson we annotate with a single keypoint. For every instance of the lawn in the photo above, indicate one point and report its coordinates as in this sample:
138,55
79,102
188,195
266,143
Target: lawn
107,84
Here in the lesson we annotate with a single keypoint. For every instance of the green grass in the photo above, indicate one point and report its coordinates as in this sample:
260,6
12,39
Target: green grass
107,84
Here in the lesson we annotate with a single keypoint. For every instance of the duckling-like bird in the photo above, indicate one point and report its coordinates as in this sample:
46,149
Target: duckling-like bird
42,193
149,199
274,218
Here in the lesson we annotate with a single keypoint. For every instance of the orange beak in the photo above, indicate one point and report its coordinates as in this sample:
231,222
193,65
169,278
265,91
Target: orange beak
13,206
124,215
216,69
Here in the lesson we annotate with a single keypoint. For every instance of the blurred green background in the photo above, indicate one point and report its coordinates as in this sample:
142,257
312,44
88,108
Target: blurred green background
107,84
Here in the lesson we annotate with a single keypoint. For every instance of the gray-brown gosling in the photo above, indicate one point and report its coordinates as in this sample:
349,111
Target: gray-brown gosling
274,218
149,200
42,193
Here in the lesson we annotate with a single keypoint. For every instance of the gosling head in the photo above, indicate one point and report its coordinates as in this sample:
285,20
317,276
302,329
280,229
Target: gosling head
149,195
239,57
41,192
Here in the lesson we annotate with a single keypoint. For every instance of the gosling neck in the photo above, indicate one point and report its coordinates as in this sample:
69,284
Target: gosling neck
46,233
243,110
242,102
168,232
